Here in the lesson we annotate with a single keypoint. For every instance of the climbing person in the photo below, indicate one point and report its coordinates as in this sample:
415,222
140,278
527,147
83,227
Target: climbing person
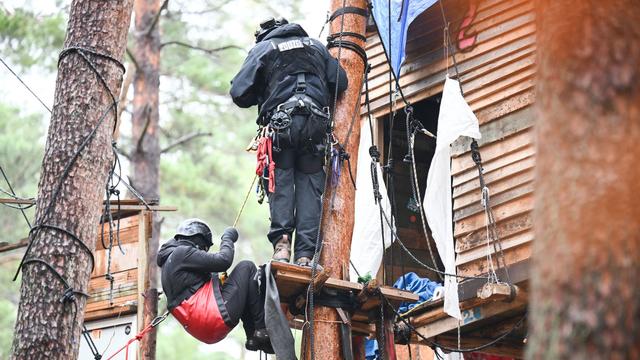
206,304
293,79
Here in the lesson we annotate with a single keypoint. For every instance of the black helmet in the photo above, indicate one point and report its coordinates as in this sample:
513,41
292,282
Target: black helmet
194,227
267,26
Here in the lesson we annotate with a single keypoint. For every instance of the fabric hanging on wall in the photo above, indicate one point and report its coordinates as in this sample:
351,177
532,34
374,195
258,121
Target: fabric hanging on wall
399,27
456,119
366,241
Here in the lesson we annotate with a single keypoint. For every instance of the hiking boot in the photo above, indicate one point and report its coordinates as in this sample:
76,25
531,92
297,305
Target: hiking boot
259,340
282,249
307,262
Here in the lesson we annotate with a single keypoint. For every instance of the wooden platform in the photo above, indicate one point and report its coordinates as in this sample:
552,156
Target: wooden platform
293,280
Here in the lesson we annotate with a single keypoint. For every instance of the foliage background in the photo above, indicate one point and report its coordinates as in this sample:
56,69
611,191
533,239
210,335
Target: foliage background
207,177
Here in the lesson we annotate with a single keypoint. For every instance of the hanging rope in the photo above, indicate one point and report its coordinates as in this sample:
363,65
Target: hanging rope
244,202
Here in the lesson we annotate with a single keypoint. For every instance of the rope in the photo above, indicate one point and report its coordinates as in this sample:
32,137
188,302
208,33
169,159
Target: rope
13,194
444,347
24,84
246,197
140,335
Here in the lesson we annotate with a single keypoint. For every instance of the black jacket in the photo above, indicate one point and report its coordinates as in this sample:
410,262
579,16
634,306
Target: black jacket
185,268
249,87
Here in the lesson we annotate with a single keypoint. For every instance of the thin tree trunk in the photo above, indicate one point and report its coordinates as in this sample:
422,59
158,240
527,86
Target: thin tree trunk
337,222
585,301
145,160
46,327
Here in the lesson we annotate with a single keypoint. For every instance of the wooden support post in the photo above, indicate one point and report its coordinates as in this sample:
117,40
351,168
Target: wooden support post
337,220
143,274
385,335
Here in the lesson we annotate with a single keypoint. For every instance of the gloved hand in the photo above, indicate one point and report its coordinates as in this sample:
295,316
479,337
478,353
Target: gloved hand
230,233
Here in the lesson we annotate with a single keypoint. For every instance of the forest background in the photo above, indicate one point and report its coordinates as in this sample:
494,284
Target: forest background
206,177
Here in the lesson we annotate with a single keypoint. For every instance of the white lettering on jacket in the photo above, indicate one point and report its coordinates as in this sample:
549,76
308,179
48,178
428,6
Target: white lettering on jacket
289,45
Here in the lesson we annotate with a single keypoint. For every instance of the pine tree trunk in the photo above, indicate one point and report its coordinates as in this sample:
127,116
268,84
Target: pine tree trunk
145,161
585,301
337,220
47,328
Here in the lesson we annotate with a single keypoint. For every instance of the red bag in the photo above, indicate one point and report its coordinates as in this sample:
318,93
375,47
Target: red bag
201,316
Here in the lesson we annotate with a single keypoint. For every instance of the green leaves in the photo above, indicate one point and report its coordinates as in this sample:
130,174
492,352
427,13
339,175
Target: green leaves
29,39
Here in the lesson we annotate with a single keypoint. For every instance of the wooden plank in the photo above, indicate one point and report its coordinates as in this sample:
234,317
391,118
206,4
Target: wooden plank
526,150
286,273
501,212
98,283
500,130
109,312
470,315
119,261
510,227
514,191
507,91
429,72
498,138
432,63
511,256
480,252
506,348
497,186
514,169
130,299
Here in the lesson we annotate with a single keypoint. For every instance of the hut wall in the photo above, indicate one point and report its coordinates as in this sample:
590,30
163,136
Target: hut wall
497,77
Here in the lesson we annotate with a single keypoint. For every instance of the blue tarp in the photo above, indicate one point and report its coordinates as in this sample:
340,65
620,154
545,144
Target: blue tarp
371,349
399,27
417,285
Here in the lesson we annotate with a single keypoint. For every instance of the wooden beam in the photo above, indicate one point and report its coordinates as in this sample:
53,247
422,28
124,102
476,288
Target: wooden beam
288,273
437,322
507,348
143,279
5,246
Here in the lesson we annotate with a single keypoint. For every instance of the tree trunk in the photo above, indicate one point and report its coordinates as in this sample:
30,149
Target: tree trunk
46,327
337,222
145,160
585,294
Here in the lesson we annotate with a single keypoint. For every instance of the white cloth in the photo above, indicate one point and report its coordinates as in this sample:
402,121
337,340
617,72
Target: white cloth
366,241
456,119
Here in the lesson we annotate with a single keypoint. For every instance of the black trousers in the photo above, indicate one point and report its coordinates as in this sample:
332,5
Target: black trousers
295,205
242,298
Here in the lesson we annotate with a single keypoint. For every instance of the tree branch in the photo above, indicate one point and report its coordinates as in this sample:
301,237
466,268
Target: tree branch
147,115
184,139
154,22
205,50
122,103
133,58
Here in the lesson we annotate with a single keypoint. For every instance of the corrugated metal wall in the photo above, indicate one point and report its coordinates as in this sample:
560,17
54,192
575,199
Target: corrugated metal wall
497,78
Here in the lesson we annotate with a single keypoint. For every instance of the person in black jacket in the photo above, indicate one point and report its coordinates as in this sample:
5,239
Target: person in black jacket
293,80
207,306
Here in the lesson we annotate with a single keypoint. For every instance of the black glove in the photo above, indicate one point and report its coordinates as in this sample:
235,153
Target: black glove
230,233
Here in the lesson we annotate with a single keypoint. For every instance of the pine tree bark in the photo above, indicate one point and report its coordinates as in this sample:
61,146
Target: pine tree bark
47,328
145,160
337,220
585,294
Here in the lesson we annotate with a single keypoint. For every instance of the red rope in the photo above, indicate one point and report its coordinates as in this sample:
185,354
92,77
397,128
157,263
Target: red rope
139,336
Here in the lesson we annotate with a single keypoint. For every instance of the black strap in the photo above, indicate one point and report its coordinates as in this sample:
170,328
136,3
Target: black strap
301,83
349,10
335,36
349,45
